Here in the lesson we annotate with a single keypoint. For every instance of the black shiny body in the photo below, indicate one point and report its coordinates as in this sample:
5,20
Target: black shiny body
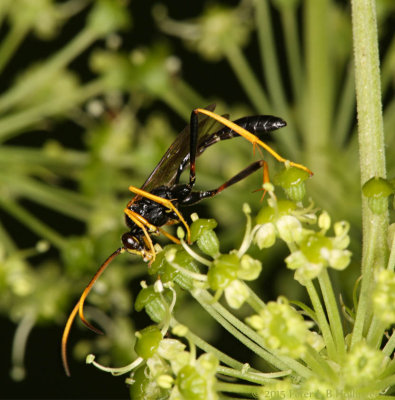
155,213
163,182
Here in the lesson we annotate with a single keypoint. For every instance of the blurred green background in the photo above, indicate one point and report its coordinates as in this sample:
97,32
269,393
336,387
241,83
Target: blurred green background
92,93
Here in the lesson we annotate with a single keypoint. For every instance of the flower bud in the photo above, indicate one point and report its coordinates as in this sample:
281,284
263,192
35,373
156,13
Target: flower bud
289,229
265,236
236,294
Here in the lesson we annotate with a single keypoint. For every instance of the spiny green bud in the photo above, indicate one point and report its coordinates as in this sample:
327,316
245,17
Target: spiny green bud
292,181
377,190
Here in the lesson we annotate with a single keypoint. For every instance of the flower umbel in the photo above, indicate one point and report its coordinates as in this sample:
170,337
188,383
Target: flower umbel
282,327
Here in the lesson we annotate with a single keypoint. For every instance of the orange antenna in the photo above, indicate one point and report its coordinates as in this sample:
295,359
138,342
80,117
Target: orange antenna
79,307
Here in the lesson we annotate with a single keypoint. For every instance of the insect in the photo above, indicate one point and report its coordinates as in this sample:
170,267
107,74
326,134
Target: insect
157,202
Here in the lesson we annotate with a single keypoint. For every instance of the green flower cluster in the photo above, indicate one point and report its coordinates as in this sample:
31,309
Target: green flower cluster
171,372
311,250
283,328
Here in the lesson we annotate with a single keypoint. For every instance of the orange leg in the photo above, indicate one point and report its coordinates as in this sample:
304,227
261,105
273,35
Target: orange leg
164,202
142,223
169,236
250,137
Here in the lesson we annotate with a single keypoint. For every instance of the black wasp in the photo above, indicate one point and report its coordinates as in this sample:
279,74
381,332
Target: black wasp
157,202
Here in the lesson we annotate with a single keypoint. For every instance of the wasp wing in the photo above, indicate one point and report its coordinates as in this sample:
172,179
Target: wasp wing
166,171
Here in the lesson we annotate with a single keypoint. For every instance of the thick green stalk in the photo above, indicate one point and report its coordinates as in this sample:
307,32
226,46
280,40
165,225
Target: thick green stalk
371,145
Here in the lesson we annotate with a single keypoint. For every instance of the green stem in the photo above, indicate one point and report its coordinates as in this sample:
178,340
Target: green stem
6,243
248,81
64,201
19,344
318,364
254,301
208,348
246,335
376,331
322,321
368,90
332,312
271,72
363,314
292,45
268,55
8,46
59,159
33,223
177,103
12,124
47,70
371,145
318,106
189,95
260,378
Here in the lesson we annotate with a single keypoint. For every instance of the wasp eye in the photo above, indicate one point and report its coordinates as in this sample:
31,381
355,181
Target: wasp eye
130,242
